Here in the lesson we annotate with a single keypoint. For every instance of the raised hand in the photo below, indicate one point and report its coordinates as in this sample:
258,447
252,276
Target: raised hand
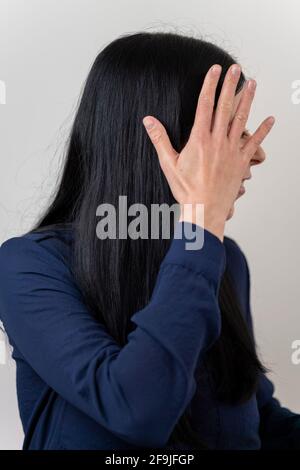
210,168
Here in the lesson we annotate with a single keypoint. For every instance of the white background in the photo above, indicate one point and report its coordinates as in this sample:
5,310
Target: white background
46,50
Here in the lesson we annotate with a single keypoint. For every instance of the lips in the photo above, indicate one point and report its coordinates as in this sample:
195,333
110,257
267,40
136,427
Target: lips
248,178
242,190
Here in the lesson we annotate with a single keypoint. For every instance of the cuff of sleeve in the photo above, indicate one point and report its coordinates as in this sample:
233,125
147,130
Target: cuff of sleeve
198,249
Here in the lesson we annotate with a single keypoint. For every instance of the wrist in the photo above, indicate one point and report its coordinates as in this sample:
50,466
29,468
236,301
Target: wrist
209,219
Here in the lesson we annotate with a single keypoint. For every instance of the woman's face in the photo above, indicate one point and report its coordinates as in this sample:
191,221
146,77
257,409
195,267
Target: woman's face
258,158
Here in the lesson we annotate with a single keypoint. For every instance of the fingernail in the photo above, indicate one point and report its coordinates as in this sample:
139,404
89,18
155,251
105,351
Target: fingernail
252,85
148,123
235,69
271,120
216,69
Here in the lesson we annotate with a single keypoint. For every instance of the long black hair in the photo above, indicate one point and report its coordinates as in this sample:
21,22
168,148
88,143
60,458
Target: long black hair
109,154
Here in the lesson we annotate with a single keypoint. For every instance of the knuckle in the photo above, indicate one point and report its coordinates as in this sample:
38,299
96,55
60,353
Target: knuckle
241,117
156,136
225,105
206,100
257,140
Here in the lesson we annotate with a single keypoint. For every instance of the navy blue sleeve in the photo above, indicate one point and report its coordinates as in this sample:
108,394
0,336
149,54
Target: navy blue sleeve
279,426
138,391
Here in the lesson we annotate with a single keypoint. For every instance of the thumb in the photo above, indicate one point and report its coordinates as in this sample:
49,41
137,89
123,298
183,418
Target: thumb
160,139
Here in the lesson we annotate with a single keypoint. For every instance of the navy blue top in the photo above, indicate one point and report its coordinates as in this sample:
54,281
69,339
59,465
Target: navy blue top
77,389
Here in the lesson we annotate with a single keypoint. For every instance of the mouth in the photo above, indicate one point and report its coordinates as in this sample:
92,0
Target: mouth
242,191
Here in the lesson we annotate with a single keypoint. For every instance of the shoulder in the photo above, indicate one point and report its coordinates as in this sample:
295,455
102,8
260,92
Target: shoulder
34,250
35,272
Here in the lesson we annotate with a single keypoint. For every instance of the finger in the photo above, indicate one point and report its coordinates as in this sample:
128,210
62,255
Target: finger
259,155
225,102
160,139
242,113
206,100
252,145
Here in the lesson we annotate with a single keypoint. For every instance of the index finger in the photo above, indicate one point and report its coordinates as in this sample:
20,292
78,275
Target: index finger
253,144
205,105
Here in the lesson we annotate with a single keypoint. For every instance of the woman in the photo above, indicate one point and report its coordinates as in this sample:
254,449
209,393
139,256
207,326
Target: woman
128,343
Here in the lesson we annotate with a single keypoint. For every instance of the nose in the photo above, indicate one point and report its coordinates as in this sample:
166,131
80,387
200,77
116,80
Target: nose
258,157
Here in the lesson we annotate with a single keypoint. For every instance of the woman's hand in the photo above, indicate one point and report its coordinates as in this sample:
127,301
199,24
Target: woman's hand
210,168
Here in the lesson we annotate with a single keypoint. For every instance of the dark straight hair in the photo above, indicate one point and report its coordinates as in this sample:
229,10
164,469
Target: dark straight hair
109,154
